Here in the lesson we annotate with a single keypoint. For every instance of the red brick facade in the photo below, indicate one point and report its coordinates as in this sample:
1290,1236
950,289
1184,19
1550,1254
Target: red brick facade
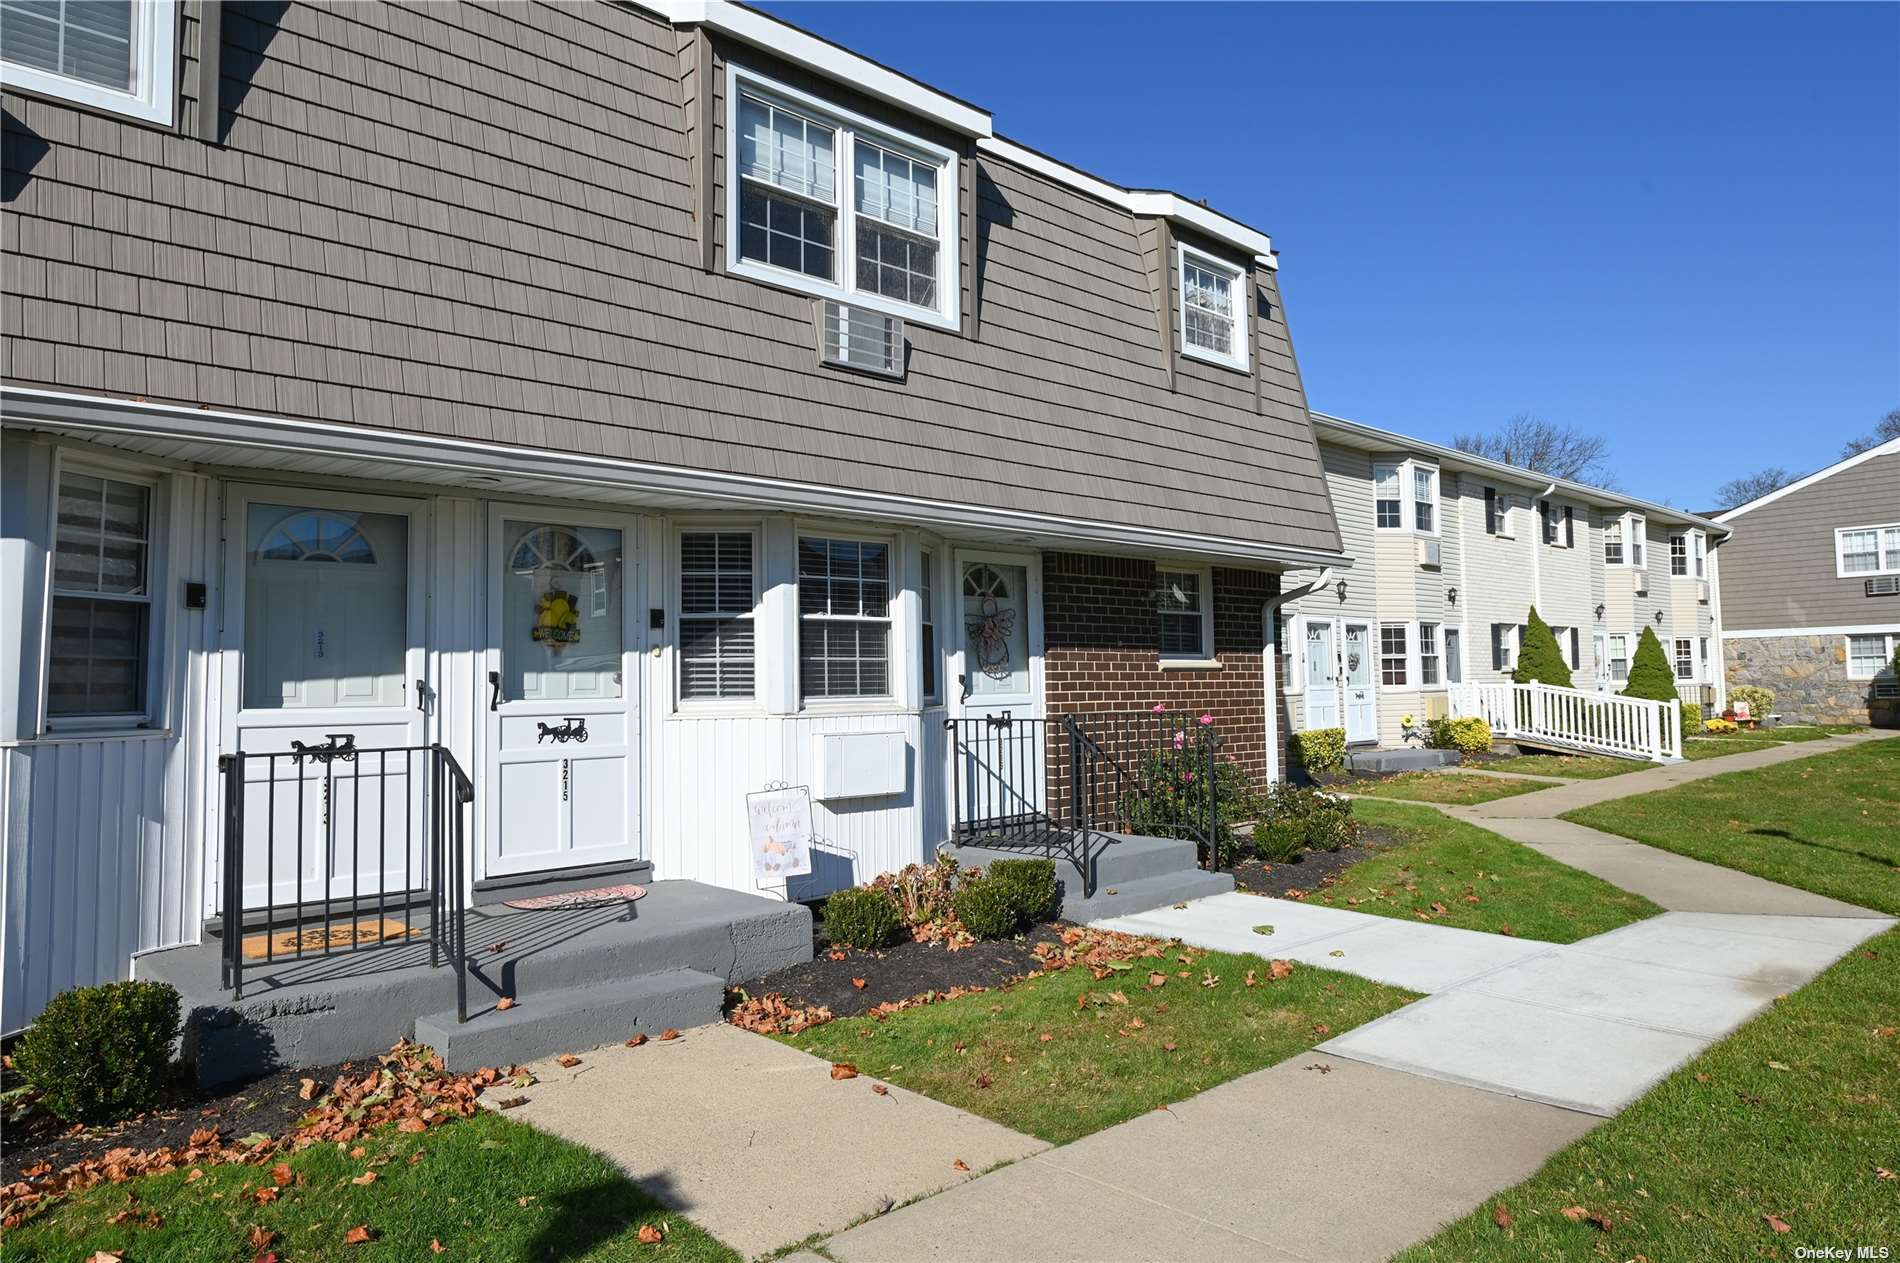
1102,640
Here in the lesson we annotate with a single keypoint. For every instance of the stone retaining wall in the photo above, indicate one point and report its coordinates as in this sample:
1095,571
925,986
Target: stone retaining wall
1809,677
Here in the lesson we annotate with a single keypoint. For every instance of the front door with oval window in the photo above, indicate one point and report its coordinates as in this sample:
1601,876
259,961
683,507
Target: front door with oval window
996,685
562,718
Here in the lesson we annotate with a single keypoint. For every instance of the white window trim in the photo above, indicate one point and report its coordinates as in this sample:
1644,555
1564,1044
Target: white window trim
1438,652
1699,547
1406,659
1675,659
154,98
1446,657
156,626
1688,555
930,555
676,619
1880,553
1887,639
1406,469
895,654
1243,325
1635,539
1205,658
1503,499
948,312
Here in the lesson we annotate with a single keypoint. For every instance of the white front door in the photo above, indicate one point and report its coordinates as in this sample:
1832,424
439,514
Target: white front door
1322,674
562,732
1600,655
997,684
1362,713
323,650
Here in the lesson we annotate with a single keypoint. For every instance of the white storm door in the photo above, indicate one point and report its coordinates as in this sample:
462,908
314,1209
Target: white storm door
996,686
562,771
1321,658
1600,653
1362,713
323,650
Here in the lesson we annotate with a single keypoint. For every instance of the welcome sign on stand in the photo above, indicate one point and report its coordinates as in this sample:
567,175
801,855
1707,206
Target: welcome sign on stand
778,819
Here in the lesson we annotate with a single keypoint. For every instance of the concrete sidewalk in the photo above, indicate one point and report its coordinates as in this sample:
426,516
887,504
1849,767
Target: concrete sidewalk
754,1140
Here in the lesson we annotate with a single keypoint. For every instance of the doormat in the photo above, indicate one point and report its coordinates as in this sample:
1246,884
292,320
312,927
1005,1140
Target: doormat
315,938
578,898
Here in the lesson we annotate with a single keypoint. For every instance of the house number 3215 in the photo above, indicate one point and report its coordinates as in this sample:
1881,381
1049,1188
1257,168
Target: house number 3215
566,770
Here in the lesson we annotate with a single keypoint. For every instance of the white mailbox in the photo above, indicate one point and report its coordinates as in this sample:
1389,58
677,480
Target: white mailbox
861,764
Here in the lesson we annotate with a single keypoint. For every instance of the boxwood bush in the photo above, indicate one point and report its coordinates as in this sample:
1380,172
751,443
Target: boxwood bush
987,908
1321,750
1760,700
99,1054
1691,718
1470,735
863,917
1295,818
1031,886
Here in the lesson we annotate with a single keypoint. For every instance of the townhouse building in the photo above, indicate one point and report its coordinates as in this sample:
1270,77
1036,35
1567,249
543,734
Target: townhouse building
1452,551
632,406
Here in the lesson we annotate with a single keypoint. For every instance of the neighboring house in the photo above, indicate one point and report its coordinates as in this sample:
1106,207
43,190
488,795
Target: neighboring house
1452,550
643,404
1811,591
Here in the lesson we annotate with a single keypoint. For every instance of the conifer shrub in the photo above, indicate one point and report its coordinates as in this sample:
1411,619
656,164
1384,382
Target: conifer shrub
1651,676
1540,659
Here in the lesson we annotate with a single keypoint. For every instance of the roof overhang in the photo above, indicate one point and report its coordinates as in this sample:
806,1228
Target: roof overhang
1357,434
212,437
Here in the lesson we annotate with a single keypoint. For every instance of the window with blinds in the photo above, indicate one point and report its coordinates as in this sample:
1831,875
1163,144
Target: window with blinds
1181,601
717,596
844,618
98,635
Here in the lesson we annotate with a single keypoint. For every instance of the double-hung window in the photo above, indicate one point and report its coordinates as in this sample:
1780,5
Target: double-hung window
1387,510
1701,543
1181,599
1679,555
844,618
1392,654
717,597
99,633
1213,313
1547,518
1493,512
1619,657
1869,655
837,206
1424,499
1428,663
116,55
1638,531
1867,550
1685,658
1570,526
1613,542
1504,640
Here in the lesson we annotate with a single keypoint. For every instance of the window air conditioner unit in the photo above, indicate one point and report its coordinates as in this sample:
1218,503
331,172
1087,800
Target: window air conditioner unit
1884,585
856,337
1642,580
1702,591
1429,553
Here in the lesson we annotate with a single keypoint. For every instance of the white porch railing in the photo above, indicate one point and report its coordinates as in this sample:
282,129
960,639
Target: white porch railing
1575,719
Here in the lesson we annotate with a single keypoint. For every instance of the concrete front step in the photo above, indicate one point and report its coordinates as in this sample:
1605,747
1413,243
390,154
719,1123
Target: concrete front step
573,1019
1147,893
1124,861
1409,760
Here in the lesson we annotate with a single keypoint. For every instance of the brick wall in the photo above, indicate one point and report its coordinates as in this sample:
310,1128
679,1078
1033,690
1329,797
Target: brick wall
1101,651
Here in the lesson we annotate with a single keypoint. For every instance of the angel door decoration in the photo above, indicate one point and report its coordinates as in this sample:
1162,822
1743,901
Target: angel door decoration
990,620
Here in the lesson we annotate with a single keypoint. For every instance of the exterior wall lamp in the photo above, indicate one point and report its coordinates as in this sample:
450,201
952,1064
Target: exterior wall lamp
1340,588
1659,618
1451,596
1599,612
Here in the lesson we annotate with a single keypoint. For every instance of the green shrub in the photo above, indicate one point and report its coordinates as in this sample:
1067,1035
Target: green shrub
1168,796
1321,750
1031,886
863,917
1691,718
1540,659
1295,818
1470,735
100,1054
987,909
1651,676
1760,700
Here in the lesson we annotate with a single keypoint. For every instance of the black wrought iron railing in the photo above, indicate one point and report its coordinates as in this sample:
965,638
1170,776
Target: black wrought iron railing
1154,773
331,848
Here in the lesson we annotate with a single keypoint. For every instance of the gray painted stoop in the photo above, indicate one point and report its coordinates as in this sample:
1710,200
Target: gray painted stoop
1132,874
579,977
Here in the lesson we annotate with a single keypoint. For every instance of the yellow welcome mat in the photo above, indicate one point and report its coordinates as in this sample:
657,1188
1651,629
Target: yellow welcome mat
315,938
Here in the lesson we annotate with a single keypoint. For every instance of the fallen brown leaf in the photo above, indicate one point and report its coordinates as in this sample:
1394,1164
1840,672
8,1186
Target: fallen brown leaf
636,1041
359,1235
1502,1217
307,1089
281,1174
261,1237
504,1004
1044,1038
365,1179
567,1061
859,983
959,1165
436,1247
880,1089
1573,1213
1777,1223
669,1033
843,1070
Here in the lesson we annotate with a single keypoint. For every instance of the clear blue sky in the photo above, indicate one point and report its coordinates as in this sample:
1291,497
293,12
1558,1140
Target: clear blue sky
1676,225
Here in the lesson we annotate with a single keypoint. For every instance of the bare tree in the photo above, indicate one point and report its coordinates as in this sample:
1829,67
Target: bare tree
1530,442
1889,428
1741,490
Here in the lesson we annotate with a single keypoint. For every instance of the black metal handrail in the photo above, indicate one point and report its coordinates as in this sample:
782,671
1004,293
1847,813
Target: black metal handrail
433,797
1152,772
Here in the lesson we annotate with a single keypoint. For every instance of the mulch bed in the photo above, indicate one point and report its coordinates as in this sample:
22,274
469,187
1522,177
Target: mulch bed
1311,870
269,1105
900,972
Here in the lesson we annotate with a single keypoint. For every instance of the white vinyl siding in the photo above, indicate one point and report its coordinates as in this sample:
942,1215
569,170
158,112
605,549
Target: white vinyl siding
718,635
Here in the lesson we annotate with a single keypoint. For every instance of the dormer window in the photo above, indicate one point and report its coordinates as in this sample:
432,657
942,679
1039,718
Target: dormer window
1213,324
838,206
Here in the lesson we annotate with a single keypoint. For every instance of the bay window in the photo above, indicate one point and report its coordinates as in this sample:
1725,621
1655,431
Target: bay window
1424,499
1386,510
1213,316
838,206
844,618
1613,542
1867,550
99,630
1679,554
718,641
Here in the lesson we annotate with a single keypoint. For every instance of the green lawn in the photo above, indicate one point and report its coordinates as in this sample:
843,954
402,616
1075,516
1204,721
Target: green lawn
1825,823
486,1188
1063,1055
1452,873
1588,767
1787,732
1795,1115
1694,748
1442,787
